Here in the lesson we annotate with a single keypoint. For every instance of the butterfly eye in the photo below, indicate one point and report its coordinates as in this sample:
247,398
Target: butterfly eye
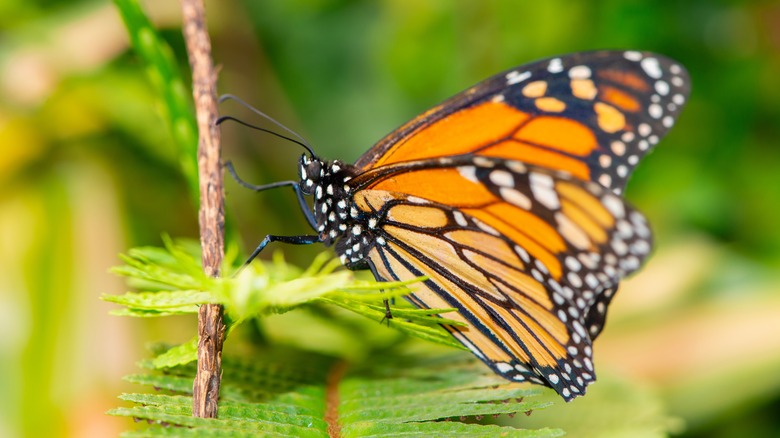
311,174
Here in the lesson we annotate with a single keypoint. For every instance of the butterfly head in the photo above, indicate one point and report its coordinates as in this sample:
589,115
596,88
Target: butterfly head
311,171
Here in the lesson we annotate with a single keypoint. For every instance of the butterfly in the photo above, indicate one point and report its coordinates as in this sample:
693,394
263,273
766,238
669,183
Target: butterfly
507,199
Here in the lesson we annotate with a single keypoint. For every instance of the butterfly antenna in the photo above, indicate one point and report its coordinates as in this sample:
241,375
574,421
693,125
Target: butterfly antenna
249,125
301,141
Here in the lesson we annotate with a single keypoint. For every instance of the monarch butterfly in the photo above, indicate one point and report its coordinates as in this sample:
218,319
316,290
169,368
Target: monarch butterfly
507,198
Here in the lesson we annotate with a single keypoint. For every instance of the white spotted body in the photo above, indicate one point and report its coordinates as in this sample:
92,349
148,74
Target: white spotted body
337,219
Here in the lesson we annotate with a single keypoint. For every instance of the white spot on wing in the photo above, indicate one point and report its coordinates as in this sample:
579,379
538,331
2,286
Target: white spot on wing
651,67
460,218
574,280
662,88
516,166
632,55
468,172
487,228
573,264
579,72
514,77
504,367
556,66
483,162
618,147
502,178
522,253
614,205
542,188
655,111
515,197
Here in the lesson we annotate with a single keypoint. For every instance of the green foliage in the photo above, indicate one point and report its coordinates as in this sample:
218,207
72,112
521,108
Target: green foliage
164,74
290,394
172,283
612,408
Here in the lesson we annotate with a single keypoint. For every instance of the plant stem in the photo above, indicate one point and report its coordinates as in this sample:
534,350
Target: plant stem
211,330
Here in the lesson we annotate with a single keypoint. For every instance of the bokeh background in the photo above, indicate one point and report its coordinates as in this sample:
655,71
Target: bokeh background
88,169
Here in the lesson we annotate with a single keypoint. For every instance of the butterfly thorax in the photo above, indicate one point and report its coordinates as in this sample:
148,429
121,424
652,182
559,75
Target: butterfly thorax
336,217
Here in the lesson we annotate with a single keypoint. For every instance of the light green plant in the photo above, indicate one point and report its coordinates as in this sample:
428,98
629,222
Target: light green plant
171,282
316,396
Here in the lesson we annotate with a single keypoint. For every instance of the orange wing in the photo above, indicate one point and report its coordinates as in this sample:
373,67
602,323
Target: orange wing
506,198
524,253
593,115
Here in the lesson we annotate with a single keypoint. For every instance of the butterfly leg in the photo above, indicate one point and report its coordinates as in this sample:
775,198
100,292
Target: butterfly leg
298,193
295,240
388,313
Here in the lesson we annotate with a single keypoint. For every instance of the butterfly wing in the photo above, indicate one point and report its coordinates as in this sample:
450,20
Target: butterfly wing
597,314
523,252
506,198
592,114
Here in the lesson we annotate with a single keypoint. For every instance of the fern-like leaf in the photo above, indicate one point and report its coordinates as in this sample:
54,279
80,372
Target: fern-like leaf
316,396
173,283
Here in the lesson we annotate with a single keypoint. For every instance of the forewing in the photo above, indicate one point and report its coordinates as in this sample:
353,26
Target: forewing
593,115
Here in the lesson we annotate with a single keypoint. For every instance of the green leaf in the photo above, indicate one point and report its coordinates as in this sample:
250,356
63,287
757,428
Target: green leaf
612,408
291,394
184,301
179,355
163,71
418,323
140,313
172,283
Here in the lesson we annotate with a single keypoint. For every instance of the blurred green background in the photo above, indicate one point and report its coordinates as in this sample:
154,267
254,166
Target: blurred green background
89,168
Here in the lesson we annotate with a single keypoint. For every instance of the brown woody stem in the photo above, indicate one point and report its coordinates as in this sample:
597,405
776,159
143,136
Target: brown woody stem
211,330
